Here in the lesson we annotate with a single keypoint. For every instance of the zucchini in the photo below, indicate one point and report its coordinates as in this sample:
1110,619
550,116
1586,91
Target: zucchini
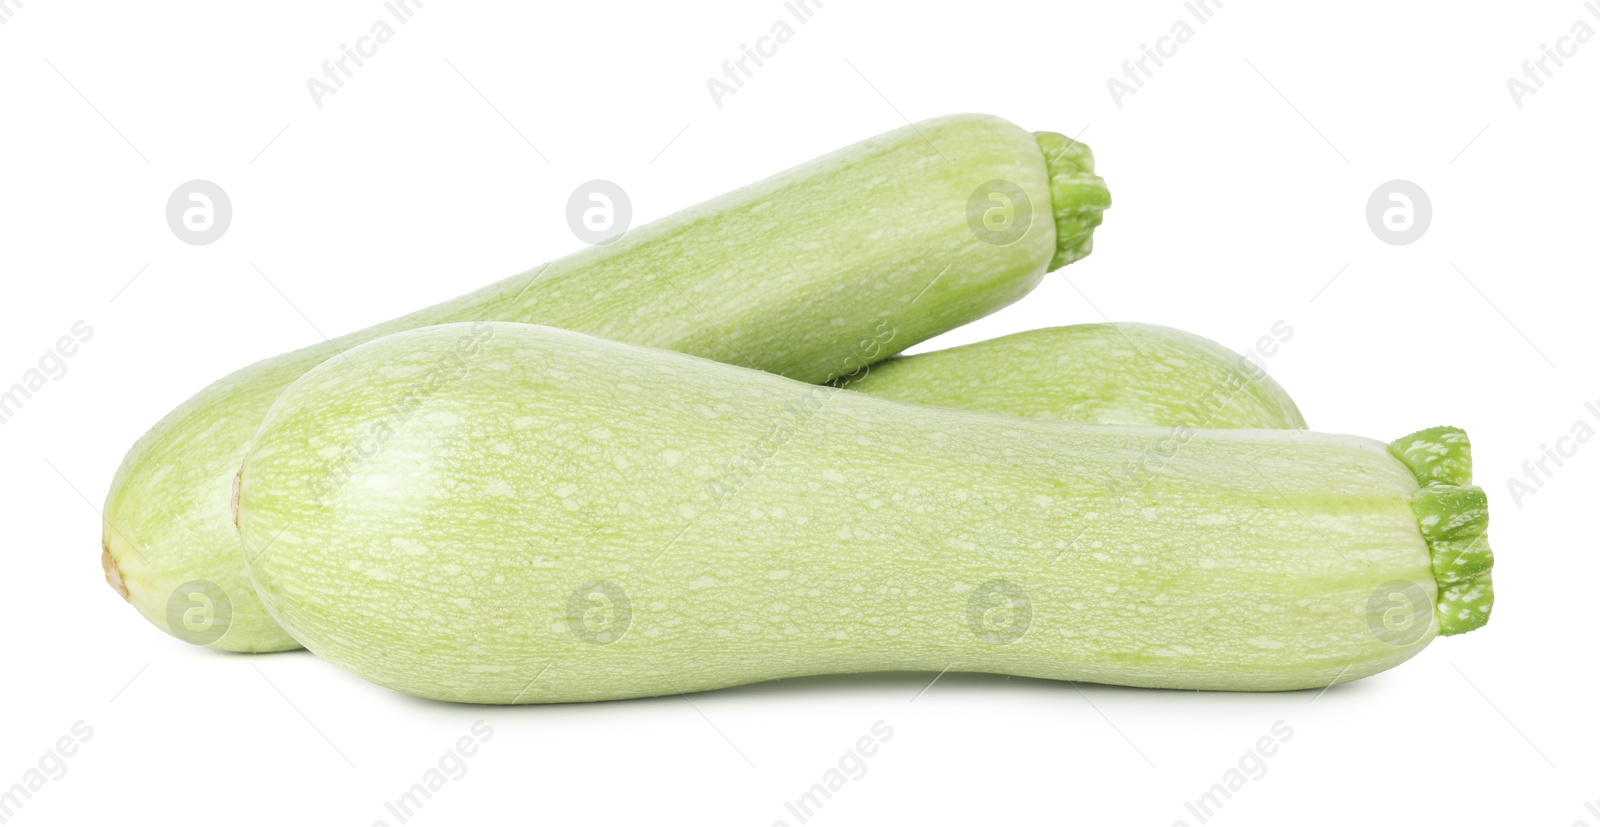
1109,374
896,236
553,529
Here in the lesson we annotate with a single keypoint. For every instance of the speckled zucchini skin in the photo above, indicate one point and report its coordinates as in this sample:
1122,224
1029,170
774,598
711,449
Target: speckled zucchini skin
1108,374
546,516
811,273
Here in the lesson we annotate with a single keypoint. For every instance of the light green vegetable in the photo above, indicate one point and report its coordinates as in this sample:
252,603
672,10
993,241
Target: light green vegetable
810,274
1111,374
577,519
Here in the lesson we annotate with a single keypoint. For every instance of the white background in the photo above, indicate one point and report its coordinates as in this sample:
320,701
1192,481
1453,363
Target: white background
1240,172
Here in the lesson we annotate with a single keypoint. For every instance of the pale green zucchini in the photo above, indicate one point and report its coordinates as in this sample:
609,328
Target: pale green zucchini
1110,374
810,274
576,519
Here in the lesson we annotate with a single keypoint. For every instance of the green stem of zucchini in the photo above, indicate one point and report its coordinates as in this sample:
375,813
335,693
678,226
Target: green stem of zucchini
1079,197
1454,518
